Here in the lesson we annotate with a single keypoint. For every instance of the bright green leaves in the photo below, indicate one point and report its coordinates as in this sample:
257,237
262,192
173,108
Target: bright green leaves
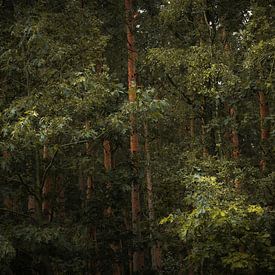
260,61
146,108
168,219
198,69
207,74
220,223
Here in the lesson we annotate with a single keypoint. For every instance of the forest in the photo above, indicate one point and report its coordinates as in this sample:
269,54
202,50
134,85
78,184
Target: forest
137,137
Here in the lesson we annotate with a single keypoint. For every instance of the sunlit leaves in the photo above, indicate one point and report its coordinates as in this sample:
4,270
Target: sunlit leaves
220,219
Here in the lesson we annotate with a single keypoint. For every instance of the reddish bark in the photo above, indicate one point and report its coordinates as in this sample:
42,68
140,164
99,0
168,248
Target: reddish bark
232,111
107,155
138,255
234,136
32,205
264,113
61,198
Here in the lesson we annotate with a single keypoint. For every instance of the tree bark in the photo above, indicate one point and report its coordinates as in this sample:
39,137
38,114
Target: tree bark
205,152
47,185
264,113
156,247
138,255
114,245
232,111
234,136
93,264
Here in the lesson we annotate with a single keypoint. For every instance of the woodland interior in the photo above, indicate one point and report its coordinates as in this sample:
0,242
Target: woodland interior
137,137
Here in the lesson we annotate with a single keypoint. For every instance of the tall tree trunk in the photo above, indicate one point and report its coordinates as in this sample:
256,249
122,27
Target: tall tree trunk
114,245
138,255
234,135
89,194
8,201
264,113
46,206
232,111
32,205
156,247
192,126
203,131
60,198
90,183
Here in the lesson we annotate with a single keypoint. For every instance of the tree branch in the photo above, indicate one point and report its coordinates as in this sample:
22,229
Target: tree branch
17,213
30,191
48,168
187,100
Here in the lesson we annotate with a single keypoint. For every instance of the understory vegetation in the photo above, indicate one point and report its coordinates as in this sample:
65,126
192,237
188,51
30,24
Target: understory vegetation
137,137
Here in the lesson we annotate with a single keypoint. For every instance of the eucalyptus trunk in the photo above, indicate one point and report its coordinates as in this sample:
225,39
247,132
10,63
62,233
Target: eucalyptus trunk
264,113
234,136
138,254
156,247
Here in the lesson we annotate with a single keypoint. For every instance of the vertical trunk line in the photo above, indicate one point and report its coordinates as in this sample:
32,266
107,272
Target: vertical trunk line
234,137
192,127
114,245
264,113
138,255
8,201
156,247
61,198
89,182
89,193
203,132
46,206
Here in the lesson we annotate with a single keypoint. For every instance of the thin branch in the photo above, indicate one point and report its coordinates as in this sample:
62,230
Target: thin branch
81,141
48,168
30,191
55,153
207,23
17,213
187,100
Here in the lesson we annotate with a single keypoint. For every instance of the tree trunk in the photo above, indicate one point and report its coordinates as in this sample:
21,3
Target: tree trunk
232,111
93,264
234,136
192,126
138,255
32,205
156,247
46,206
205,152
264,113
90,183
115,246
61,198
8,201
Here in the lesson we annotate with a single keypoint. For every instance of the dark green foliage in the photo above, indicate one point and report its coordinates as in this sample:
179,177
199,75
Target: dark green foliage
63,82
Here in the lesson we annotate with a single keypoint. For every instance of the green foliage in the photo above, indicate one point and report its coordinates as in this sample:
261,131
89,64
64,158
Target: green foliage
63,93
221,227
7,252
